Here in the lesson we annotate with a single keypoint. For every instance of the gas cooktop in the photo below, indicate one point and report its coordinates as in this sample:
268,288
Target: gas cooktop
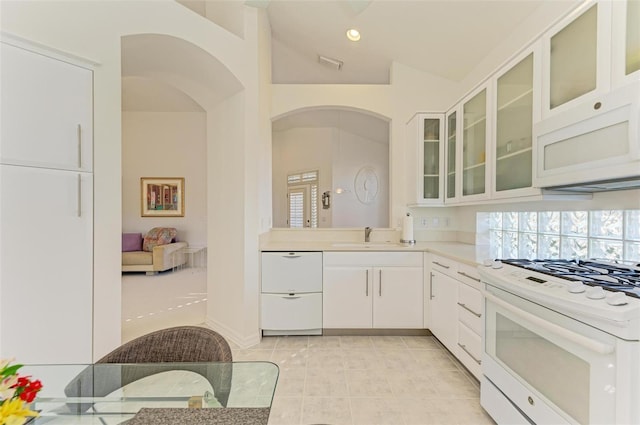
609,276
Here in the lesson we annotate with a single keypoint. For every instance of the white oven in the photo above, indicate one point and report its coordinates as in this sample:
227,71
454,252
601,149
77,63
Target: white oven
549,361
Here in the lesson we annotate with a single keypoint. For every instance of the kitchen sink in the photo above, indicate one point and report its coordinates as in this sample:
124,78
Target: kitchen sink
365,244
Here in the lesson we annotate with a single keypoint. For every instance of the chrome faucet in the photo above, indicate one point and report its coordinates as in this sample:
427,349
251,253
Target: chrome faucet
367,233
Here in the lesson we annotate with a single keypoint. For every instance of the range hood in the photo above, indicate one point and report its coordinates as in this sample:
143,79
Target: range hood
600,186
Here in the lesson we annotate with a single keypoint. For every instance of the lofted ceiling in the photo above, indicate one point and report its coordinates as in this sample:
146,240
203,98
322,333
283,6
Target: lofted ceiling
445,38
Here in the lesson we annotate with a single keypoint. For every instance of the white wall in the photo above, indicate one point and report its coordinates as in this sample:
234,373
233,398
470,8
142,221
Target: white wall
351,153
545,16
301,149
412,91
338,155
93,30
165,144
237,207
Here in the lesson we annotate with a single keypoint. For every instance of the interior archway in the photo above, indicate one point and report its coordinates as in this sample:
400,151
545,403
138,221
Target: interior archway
169,88
349,148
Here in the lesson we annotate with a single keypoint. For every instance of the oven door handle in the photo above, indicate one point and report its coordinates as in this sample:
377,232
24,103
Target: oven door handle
583,341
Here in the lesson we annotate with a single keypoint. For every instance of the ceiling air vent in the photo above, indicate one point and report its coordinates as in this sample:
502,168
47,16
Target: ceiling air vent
330,62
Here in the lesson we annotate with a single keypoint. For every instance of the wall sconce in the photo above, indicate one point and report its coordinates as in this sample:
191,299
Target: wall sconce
326,200
341,190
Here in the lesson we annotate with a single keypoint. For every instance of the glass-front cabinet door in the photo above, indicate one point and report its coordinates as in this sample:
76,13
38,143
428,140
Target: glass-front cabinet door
425,159
431,158
517,100
632,37
626,41
451,186
577,57
475,135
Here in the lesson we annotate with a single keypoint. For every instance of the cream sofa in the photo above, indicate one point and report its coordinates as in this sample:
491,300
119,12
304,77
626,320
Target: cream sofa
163,257
157,251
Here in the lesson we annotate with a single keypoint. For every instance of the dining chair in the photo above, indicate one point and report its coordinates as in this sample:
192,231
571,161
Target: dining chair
182,344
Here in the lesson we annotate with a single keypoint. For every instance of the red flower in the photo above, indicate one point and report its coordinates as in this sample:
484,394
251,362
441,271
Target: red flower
27,389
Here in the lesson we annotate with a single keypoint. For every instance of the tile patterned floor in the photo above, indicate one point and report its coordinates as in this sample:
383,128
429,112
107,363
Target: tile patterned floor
354,380
163,300
362,380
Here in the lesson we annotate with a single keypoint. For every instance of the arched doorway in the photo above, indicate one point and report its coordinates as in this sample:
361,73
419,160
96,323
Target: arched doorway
169,87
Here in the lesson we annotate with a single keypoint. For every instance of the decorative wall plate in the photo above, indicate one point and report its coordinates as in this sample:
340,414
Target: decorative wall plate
366,185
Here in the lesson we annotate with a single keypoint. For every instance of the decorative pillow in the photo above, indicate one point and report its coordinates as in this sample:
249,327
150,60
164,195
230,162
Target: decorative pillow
131,242
158,236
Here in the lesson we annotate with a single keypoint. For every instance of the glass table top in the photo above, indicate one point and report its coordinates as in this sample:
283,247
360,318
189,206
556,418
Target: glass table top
114,393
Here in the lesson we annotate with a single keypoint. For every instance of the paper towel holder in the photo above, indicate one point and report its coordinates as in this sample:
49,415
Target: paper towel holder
408,241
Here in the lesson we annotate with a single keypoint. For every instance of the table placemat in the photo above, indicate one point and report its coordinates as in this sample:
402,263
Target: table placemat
221,416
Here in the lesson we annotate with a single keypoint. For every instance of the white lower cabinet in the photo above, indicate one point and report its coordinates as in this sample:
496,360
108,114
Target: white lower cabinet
444,318
469,349
279,309
397,301
372,290
46,252
347,297
456,307
291,298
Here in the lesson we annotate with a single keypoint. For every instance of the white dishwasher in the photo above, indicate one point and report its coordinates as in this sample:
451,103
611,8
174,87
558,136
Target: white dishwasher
291,293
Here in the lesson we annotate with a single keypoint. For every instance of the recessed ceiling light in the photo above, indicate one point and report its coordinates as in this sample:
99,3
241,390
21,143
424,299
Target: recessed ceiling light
353,34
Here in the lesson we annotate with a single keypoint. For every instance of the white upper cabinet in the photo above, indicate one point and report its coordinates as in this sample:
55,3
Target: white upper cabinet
577,52
625,42
473,152
452,182
517,106
47,109
539,121
425,159
589,132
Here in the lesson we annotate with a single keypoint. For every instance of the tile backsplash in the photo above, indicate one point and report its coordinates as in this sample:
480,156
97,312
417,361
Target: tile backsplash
603,234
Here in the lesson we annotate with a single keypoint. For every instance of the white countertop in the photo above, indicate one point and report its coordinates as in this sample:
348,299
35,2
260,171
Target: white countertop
465,253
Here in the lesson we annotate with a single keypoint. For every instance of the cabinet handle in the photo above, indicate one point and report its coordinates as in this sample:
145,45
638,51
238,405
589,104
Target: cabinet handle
380,283
79,195
431,286
469,310
291,255
367,280
79,131
441,265
464,348
470,277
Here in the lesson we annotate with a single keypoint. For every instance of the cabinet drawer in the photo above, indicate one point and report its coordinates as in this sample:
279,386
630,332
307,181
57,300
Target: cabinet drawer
470,307
444,265
469,350
284,313
377,259
291,272
468,275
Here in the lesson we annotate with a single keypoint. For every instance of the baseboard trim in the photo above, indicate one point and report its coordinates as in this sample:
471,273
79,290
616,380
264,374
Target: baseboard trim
266,332
231,335
376,332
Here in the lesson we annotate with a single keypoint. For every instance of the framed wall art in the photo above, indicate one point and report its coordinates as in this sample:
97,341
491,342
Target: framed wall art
162,196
